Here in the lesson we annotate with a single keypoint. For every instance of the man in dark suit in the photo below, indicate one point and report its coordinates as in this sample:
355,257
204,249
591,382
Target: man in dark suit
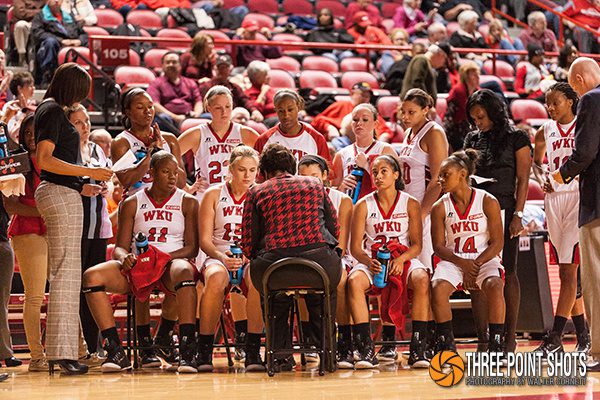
584,77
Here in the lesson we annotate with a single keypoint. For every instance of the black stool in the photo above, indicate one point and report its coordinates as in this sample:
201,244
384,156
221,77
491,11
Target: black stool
295,276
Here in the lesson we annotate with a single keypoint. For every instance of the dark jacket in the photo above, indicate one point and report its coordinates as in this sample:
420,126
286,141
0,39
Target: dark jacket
459,40
45,25
27,9
585,160
328,34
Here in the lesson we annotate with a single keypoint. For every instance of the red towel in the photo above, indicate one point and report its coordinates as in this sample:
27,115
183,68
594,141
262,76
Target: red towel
147,272
394,296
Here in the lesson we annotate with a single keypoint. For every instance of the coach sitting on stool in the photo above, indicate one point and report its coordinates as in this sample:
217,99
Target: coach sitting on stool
289,216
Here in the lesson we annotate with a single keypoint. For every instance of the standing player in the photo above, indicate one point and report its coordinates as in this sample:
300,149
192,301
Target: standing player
467,234
300,138
167,216
384,215
221,223
555,139
213,142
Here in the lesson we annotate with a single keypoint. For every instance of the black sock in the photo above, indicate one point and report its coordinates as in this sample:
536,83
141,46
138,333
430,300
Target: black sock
559,324
579,322
444,328
253,338
361,329
241,326
344,332
388,333
111,335
166,327
197,324
496,329
206,339
143,331
431,330
419,327
187,330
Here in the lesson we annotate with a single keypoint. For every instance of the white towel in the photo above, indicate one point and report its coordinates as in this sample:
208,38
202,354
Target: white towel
12,185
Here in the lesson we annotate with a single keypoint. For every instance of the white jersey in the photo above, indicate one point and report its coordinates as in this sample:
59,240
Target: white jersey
307,141
211,160
381,227
136,145
163,224
348,154
336,198
228,219
466,234
415,162
560,140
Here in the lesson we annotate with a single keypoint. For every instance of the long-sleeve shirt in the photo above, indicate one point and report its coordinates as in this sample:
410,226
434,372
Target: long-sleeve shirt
179,99
528,78
45,25
82,8
419,74
287,212
546,41
404,19
266,108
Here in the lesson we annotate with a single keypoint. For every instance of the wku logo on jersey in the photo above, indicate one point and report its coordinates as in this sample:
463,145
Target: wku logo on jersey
465,226
405,151
158,215
233,210
298,153
563,143
220,149
388,226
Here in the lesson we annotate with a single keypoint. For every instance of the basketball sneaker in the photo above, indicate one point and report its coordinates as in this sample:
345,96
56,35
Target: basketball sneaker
165,348
204,357
388,353
445,342
366,351
116,359
345,355
187,363
148,357
417,358
92,360
551,343
286,364
240,348
253,362
584,345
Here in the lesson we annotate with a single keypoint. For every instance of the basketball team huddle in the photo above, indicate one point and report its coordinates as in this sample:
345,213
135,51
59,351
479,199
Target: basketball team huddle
442,232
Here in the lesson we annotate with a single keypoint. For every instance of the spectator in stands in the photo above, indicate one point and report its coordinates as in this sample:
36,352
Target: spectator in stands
364,6
326,32
531,73
567,54
27,234
456,124
221,75
52,29
124,6
248,53
364,32
399,37
467,35
329,122
396,71
198,63
420,72
450,9
587,13
260,93
103,139
23,13
225,17
240,115
538,33
175,97
437,33
410,17
81,10
13,112
498,39
5,78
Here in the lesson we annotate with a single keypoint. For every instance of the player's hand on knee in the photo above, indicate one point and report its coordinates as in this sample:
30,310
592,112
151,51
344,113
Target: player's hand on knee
397,265
128,262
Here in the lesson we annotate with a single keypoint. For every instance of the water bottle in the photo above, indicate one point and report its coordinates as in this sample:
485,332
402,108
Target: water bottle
383,256
3,141
357,173
235,277
139,155
141,243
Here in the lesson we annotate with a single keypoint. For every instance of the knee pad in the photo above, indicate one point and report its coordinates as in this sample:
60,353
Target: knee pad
92,289
183,284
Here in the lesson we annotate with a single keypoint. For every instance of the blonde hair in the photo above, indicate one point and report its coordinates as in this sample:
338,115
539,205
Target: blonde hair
464,69
217,91
242,151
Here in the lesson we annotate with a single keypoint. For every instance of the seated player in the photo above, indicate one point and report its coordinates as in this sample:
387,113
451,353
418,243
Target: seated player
221,225
168,217
467,234
388,214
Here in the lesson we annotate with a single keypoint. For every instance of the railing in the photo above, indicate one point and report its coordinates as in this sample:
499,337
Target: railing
561,16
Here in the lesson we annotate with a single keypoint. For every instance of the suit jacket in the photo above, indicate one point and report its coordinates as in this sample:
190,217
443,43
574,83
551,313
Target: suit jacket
585,160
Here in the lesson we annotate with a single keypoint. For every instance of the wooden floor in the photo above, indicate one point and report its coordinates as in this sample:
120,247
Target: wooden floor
387,382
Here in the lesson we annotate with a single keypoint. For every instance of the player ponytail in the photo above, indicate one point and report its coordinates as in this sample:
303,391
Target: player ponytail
568,92
465,159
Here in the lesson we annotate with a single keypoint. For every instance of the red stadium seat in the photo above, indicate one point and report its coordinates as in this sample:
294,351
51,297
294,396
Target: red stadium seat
285,63
128,76
389,25
259,127
145,18
153,58
389,9
524,109
108,18
233,3
95,30
320,63
173,33
84,51
387,105
488,78
353,64
263,6
281,79
289,37
535,191
503,69
134,58
192,123
263,21
317,79
452,27
351,77
440,107
298,7
336,7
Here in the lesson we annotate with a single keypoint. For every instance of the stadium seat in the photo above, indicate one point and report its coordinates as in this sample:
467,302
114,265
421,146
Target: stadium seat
317,79
387,105
336,7
440,107
452,27
524,109
503,69
95,30
108,18
145,18
320,63
388,24
128,76
84,51
488,78
389,9
351,77
281,79
228,4
298,7
134,58
535,191
153,58
285,63
263,6
192,123
174,33
263,21
259,127
353,64
289,37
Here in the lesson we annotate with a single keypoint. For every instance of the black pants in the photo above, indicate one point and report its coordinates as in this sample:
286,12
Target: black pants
324,256
93,252
510,251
